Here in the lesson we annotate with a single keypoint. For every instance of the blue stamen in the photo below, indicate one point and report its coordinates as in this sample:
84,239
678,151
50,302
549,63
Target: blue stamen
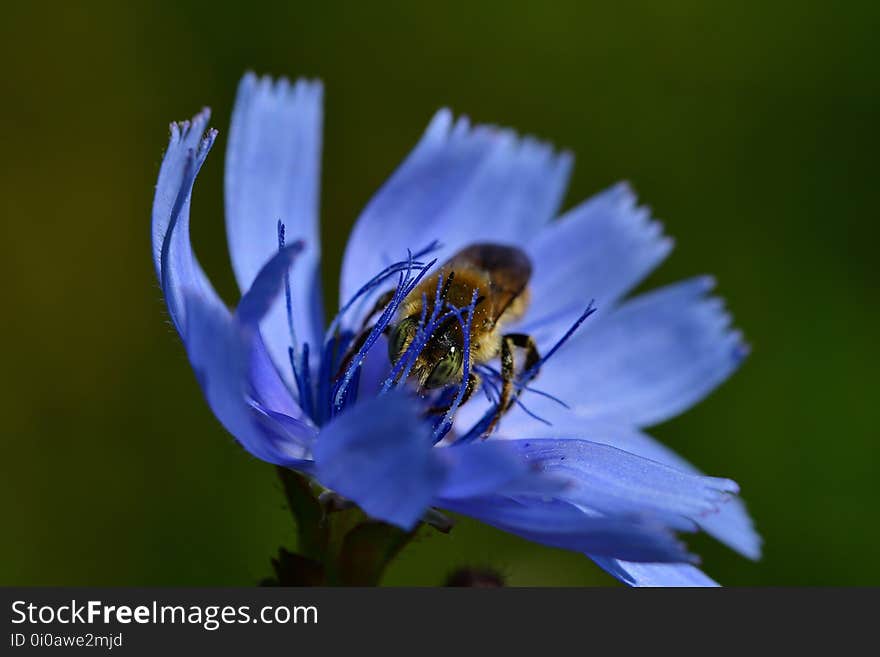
291,358
306,390
421,339
301,373
444,398
491,375
544,393
381,277
409,357
405,359
349,395
287,295
333,349
401,369
479,428
527,376
446,424
525,409
302,378
406,284
488,370
483,423
489,379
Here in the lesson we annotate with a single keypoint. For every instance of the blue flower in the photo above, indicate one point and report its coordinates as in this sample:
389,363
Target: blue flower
570,465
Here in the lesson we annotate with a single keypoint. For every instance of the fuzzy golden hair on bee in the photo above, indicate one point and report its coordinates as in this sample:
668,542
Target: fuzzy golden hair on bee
491,280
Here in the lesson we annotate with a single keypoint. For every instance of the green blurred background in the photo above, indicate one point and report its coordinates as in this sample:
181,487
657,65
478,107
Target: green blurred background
751,130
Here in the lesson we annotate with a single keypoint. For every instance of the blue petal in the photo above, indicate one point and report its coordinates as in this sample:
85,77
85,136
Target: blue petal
273,174
253,307
176,265
294,436
599,250
267,285
655,574
647,361
179,271
612,481
379,454
219,349
481,468
266,382
375,369
559,524
731,524
459,185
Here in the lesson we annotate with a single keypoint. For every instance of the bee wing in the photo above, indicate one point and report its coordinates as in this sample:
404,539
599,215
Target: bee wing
507,268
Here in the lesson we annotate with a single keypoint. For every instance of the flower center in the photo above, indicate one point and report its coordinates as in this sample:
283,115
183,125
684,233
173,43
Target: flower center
343,354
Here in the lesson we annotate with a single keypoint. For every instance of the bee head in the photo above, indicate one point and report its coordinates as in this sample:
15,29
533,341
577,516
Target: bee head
439,364
401,337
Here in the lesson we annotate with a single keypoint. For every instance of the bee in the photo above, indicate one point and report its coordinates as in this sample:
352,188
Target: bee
500,276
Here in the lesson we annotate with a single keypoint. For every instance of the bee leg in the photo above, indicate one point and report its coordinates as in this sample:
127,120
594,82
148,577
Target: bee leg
507,370
507,396
473,384
527,342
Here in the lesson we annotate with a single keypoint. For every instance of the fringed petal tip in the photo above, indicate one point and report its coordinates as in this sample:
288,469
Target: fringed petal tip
557,523
461,184
281,88
180,130
658,354
729,522
524,151
638,219
733,526
742,349
724,487
618,244
205,144
610,480
445,128
176,265
714,308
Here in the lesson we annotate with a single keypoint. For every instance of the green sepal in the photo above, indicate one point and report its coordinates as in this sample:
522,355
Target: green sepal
295,570
366,551
312,530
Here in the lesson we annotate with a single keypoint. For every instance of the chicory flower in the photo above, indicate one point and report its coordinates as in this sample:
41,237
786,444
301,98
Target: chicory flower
569,465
